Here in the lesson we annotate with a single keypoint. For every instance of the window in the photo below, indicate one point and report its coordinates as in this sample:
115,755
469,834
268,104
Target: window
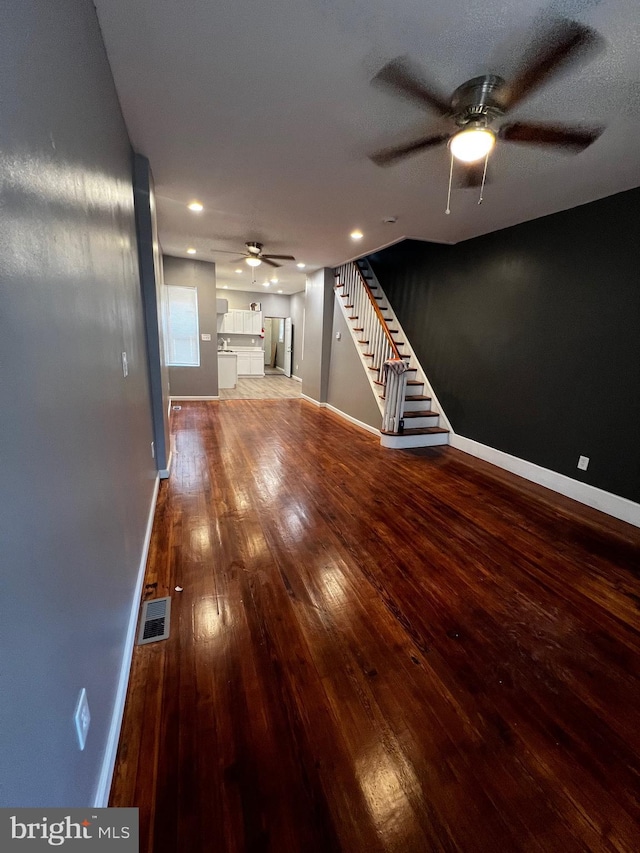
182,333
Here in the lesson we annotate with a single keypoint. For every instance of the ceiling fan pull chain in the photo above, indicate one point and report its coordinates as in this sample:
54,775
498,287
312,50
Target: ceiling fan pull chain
484,177
448,210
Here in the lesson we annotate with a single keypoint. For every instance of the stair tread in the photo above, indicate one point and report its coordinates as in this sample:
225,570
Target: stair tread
414,382
418,431
413,398
421,413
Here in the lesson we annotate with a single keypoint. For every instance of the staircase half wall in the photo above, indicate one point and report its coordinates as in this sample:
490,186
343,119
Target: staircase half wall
349,390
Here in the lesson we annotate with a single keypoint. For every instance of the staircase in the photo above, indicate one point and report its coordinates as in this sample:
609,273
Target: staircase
409,411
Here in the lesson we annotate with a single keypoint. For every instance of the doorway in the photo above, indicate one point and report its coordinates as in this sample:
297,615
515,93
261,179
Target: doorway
278,339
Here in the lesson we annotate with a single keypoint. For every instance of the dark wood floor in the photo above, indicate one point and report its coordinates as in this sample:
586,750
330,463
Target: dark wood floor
378,651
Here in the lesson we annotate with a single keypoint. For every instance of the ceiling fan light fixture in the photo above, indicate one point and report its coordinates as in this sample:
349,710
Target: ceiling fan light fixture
253,262
472,144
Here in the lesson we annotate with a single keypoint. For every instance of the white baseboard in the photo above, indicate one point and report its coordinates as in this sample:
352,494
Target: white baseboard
184,398
618,507
351,420
101,799
165,473
315,402
342,414
297,378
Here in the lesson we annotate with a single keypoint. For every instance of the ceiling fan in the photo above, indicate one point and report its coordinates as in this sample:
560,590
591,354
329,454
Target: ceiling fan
254,255
470,118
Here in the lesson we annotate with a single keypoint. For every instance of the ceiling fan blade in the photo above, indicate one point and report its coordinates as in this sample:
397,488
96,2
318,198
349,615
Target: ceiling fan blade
271,263
279,257
404,77
575,138
387,156
568,40
225,251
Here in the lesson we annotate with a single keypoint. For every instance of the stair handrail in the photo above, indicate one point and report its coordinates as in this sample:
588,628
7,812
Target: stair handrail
378,312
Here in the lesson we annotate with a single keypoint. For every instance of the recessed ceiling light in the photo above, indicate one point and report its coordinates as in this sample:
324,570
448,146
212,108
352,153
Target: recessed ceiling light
225,287
279,291
191,251
239,270
274,280
196,206
356,235
265,284
301,266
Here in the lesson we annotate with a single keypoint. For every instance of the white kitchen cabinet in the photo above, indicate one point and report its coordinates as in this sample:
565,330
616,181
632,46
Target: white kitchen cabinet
251,363
244,364
257,363
238,322
255,322
227,370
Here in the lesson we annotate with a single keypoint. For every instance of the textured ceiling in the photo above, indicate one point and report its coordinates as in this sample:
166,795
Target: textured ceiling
264,112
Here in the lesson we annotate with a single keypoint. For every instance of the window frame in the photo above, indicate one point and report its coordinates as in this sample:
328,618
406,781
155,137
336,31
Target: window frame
169,338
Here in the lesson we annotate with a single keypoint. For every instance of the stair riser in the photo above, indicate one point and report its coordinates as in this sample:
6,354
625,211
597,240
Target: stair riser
415,405
417,423
400,442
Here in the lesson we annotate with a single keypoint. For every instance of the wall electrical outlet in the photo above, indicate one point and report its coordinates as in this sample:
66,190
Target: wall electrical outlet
82,718
125,365
583,463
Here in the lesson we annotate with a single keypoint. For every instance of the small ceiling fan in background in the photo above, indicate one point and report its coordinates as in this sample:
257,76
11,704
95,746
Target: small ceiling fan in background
470,118
254,255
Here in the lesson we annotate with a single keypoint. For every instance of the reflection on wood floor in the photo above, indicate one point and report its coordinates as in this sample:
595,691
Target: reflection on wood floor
272,387
378,651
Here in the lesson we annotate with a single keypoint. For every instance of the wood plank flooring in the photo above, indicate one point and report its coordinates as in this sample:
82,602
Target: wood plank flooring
378,651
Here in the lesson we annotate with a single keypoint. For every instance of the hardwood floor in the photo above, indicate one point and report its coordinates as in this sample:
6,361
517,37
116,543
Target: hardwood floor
272,387
378,650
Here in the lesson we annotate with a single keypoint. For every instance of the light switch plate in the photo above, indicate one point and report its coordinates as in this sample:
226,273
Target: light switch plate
205,337
583,463
125,365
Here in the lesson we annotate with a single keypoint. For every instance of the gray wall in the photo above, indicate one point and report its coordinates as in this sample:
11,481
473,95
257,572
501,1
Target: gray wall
349,389
196,381
273,304
297,320
77,473
319,301
152,283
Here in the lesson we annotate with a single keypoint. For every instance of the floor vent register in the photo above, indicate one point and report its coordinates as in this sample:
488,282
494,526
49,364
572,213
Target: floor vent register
155,620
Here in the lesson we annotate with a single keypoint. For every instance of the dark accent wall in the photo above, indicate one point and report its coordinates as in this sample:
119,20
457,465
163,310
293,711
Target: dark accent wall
531,336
